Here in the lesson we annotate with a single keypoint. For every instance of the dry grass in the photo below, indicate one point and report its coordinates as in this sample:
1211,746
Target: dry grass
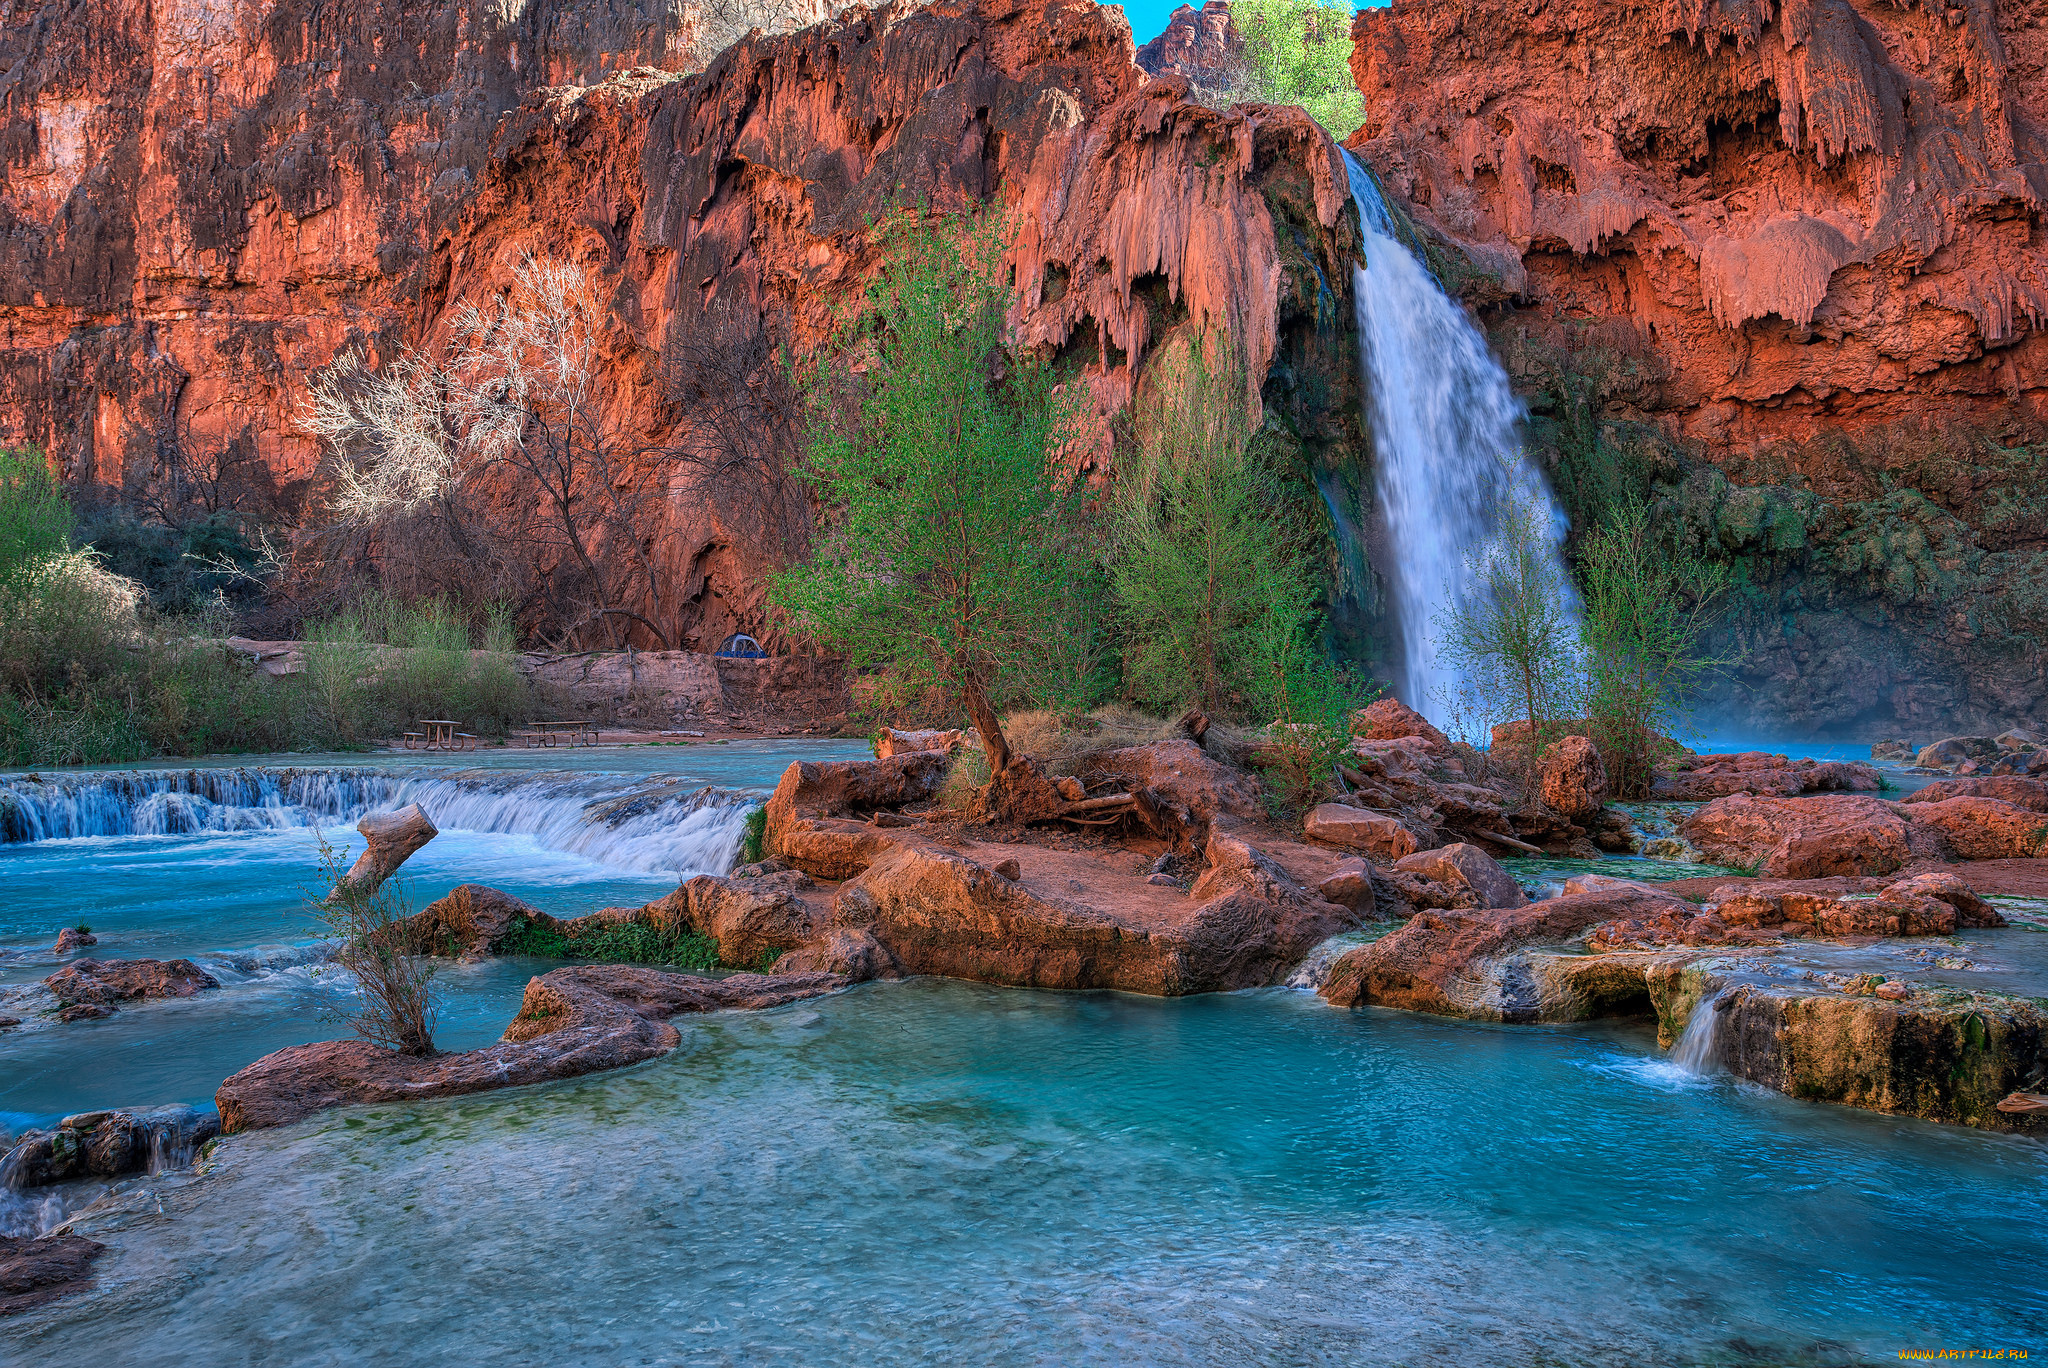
1058,741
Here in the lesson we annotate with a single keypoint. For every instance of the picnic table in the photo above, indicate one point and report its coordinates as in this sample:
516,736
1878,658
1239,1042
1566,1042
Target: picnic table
440,734
548,733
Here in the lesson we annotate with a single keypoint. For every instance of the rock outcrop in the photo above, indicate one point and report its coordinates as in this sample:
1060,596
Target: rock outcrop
572,1021
107,1144
38,1270
94,988
1697,778
1807,838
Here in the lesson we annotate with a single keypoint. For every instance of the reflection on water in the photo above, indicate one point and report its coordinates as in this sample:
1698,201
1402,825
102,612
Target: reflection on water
939,1172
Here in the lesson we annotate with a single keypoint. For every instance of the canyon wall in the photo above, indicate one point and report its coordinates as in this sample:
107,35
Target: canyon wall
1783,258
206,201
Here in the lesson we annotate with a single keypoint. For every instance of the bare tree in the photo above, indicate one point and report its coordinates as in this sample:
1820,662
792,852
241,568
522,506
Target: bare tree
519,393
739,426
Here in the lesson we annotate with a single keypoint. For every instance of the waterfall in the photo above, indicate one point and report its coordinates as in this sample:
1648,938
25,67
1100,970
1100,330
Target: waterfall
1448,463
1698,1050
657,826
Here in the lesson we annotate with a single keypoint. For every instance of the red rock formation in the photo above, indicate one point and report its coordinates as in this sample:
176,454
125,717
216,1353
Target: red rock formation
202,207
34,1271
1816,213
1199,44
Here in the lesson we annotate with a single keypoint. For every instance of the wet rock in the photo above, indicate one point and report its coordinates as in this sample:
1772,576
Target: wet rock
36,1271
2031,794
854,955
1572,780
72,939
393,838
572,1021
96,984
1350,828
1467,866
1944,1058
108,1144
1891,752
1473,963
2020,739
1389,719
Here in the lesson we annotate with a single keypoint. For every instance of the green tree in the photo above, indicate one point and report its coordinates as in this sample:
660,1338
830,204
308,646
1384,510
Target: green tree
1515,636
35,517
1298,52
1211,574
1648,600
950,523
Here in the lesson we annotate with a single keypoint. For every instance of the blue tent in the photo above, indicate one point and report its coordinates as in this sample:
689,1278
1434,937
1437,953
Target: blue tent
740,646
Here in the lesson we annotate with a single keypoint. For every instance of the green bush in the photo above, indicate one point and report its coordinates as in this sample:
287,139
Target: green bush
757,835
1298,52
622,943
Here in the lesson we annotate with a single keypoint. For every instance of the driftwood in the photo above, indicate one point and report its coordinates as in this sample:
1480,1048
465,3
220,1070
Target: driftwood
393,838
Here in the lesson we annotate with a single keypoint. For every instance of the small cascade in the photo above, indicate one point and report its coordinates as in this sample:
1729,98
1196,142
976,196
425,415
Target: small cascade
1698,1050
1448,462
656,826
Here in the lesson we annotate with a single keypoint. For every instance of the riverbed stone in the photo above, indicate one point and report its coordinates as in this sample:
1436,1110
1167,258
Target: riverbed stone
35,1271
1461,864
96,984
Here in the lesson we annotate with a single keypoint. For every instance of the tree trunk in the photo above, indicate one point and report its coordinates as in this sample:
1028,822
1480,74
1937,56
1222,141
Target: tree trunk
993,743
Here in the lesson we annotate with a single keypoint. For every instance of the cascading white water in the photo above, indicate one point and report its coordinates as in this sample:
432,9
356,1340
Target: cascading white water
1698,1050
1449,465
663,826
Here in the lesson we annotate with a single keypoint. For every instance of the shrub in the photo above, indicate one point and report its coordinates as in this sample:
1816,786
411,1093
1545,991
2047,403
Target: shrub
1298,52
1648,600
619,943
757,834
396,1008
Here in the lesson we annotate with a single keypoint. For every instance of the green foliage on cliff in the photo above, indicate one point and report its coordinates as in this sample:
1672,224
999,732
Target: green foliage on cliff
952,533
624,943
1212,570
1298,52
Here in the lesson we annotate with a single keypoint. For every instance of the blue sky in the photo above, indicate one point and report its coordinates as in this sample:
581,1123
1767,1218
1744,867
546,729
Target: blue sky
1148,17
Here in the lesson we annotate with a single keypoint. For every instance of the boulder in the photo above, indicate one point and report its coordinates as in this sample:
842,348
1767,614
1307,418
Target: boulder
1699,778
1974,828
1802,838
108,1144
1572,779
572,1021
750,918
71,939
472,921
1952,751
38,1270
1466,963
1181,772
1467,866
1390,719
105,983
1891,752
2020,739
1372,833
1350,886
391,839
854,955
2031,794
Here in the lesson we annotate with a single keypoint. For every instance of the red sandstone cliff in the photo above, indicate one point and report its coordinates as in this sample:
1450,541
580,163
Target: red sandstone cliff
204,202
1816,213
